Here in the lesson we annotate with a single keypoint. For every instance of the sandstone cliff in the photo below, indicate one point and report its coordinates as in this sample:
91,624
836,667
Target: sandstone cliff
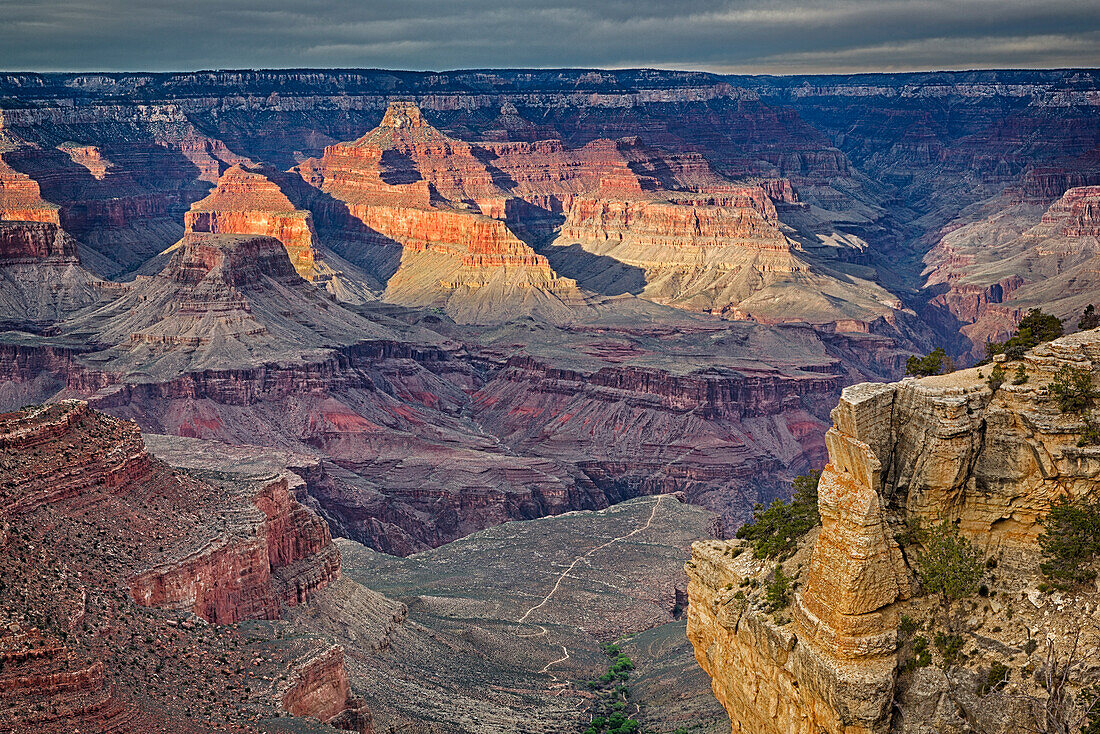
246,202
940,448
21,198
408,202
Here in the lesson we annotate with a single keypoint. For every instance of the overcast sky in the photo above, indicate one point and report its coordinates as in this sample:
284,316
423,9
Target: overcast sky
737,36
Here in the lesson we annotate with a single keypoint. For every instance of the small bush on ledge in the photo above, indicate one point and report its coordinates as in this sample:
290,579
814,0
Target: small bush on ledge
1073,389
776,528
1070,542
949,567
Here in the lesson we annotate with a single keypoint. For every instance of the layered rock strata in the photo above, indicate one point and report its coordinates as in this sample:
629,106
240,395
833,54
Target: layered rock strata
407,199
246,202
21,198
41,278
221,301
319,689
180,549
936,449
1015,258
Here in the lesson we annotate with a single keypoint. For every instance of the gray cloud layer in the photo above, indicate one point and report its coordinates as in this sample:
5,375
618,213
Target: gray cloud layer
780,36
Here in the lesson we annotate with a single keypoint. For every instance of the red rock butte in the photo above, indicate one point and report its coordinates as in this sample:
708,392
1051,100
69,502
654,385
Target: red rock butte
415,187
247,202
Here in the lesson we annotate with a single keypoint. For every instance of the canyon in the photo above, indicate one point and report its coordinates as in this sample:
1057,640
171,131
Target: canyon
332,392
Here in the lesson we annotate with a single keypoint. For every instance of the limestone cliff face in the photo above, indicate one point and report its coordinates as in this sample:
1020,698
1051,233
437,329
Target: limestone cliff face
940,448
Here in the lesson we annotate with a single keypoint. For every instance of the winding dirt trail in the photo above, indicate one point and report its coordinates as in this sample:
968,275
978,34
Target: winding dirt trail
562,576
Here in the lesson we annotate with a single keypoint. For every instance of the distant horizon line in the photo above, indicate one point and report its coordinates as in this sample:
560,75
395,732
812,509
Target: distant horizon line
461,70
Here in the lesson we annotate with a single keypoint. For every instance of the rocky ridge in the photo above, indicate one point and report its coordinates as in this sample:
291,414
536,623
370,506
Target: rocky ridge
146,555
940,448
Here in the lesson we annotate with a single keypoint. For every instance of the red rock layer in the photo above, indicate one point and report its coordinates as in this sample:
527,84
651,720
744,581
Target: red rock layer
1044,184
36,241
1078,211
21,199
122,462
228,581
319,689
1052,258
406,160
247,202
409,183
45,686
549,175
97,514
227,578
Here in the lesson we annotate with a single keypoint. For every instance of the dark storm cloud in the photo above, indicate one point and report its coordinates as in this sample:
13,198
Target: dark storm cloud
736,36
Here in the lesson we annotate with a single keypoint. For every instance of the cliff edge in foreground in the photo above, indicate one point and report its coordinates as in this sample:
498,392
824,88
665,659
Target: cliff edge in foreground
850,652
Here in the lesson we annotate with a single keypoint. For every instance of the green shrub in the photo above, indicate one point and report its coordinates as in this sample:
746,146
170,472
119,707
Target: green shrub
950,646
907,625
934,363
1034,329
996,377
778,591
949,566
995,679
1090,319
1090,434
920,649
1070,541
1020,377
622,663
775,529
912,534
1073,389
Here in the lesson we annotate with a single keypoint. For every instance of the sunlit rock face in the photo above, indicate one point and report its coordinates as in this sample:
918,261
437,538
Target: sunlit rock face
944,448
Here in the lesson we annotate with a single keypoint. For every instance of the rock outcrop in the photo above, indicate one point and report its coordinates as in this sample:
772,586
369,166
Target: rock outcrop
222,301
41,278
409,202
319,689
21,199
247,202
264,565
921,451
221,549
